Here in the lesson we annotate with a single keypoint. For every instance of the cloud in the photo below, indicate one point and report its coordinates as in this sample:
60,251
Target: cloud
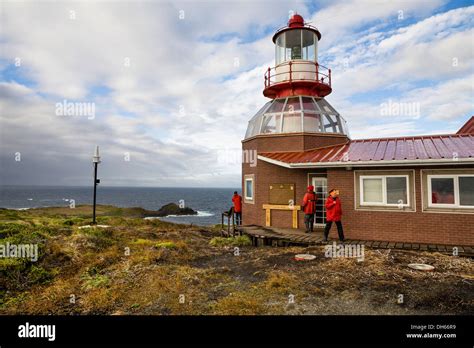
175,89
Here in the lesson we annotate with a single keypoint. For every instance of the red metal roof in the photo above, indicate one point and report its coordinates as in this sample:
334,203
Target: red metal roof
468,127
435,148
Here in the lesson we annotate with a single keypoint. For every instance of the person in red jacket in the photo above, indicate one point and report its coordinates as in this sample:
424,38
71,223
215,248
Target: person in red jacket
309,208
237,200
333,214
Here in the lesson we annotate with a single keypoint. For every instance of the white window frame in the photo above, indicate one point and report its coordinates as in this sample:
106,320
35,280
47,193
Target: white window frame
247,198
457,196
384,190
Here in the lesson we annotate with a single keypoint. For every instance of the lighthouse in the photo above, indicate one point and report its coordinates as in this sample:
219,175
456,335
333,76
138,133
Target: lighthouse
297,85
297,118
394,185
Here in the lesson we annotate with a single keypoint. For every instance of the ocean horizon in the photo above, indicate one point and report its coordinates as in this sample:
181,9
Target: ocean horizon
209,202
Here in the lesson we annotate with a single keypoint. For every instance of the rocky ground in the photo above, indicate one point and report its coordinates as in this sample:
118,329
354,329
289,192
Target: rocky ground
138,266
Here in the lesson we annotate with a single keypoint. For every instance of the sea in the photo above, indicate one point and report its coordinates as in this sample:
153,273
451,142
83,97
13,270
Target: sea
208,202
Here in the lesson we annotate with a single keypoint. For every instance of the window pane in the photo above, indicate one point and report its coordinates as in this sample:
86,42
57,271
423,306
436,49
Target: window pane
442,190
293,104
280,49
292,122
276,106
308,104
372,190
293,44
397,190
311,122
309,39
249,189
271,124
330,124
466,190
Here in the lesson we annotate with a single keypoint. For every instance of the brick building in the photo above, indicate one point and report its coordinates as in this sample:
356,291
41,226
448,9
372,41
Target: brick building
417,189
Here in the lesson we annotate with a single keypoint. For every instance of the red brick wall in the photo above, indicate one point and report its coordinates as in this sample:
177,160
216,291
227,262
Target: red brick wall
397,226
292,142
266,174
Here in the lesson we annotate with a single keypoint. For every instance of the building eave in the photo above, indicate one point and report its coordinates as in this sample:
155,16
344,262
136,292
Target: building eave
344,164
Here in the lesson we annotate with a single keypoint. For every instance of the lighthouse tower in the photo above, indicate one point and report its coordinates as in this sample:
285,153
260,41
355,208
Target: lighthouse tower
297,85
297,118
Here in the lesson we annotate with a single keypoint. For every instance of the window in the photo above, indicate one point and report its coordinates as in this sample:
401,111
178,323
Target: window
292,122
271,124
451,191
249,189
396,190
384,190
296,44
311,122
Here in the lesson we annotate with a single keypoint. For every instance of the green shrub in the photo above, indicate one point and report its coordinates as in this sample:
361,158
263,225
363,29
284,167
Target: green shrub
167,245
231,241
19,274
100,238
90,282
8,229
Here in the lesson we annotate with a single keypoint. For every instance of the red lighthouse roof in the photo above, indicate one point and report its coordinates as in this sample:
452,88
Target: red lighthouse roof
296,21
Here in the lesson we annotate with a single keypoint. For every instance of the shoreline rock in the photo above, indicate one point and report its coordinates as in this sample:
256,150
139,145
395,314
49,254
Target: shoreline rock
171,209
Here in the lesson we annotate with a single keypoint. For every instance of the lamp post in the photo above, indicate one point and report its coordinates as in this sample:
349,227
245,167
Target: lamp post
96,161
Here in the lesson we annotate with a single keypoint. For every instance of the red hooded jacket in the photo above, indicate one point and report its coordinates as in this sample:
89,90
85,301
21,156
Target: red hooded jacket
333,209
309,201
237,200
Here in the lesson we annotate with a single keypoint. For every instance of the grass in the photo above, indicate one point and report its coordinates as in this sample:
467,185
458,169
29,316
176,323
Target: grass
151,267
238,241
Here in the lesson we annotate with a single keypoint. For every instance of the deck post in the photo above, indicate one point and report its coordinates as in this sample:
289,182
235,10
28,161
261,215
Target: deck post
268,217
295,218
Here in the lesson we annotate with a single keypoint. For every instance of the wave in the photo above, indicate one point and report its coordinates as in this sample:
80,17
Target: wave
199,214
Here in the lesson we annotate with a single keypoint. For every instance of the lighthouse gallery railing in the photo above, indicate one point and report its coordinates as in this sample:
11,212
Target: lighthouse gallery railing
297,71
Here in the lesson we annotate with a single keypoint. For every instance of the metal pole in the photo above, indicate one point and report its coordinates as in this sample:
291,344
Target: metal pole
95,193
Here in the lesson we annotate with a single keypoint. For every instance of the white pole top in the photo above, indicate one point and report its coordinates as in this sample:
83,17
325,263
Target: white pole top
96,158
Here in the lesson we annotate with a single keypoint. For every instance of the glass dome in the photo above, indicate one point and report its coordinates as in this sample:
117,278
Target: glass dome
296,115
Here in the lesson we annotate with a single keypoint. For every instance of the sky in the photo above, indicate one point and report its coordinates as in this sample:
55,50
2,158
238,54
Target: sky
169,87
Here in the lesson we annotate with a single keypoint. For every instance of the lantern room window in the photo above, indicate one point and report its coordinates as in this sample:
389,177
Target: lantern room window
296,44
294,115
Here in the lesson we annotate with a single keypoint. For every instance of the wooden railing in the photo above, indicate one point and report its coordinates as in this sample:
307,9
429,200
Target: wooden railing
229,215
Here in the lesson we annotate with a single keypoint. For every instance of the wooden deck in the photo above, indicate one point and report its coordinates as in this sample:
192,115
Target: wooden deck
287,237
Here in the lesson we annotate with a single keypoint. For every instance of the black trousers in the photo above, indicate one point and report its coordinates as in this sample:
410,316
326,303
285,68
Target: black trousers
238,218
309,222
340,232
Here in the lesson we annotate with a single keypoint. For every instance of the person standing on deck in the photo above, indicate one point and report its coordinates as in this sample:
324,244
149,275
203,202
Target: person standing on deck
333,214
237,200
309,208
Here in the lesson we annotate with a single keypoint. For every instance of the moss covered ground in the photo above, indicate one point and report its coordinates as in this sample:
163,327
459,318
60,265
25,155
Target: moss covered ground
139,266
